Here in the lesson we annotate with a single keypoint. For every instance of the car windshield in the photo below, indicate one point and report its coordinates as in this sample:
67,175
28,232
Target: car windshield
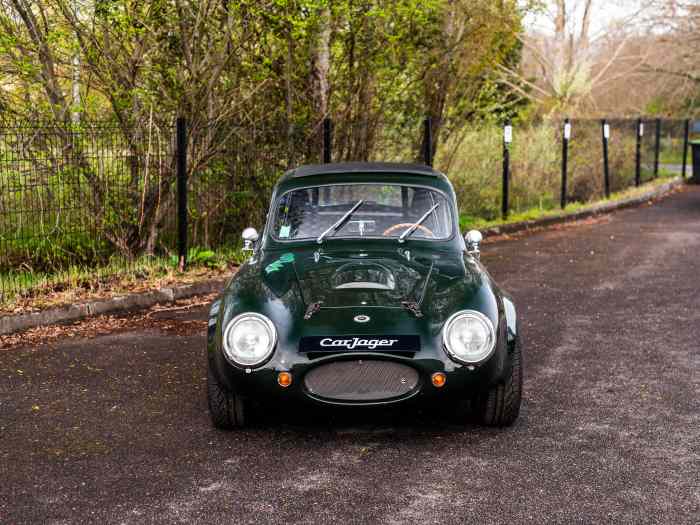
386,210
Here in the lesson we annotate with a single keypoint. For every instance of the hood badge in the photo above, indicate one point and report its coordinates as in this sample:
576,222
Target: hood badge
361,318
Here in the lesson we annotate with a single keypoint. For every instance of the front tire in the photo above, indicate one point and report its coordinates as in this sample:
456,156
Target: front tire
227,410
499,406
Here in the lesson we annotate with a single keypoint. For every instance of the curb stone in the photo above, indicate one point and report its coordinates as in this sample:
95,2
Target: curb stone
132,302
598,209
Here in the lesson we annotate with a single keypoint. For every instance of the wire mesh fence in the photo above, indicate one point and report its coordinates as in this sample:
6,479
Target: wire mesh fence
232,170
102,197
76,195
671,141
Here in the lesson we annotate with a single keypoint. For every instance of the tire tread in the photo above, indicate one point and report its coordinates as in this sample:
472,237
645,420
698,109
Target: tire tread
225,408
500,405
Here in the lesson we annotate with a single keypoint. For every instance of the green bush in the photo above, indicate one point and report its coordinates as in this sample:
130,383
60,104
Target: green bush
476,166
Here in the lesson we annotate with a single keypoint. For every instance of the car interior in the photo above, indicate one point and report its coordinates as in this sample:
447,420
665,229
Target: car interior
385,211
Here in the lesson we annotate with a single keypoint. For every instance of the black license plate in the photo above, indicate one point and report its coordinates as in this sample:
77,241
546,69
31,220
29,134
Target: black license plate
360,343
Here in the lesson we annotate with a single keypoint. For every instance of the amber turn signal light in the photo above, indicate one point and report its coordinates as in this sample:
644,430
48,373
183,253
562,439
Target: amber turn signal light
439,379
284,379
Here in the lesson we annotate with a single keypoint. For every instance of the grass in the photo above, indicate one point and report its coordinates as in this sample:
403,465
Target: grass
468,222
673,156
28,291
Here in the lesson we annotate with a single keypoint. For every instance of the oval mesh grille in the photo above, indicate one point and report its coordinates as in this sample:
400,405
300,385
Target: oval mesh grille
361,380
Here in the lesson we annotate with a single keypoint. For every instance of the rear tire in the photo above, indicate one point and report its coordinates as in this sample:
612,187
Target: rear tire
227,410
499,406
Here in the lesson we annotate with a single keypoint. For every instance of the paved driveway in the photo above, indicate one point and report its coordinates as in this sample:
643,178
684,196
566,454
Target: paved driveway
113,427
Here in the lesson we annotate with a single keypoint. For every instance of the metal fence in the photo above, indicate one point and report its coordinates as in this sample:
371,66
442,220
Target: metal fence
74,196
99,196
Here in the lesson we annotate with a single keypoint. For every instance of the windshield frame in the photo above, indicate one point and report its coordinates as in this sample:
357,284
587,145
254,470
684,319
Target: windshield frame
312,240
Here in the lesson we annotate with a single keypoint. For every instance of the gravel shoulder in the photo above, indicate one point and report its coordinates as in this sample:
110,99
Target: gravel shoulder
107,421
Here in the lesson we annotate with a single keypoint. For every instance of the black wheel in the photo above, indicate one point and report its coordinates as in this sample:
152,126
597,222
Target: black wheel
227,410
500,405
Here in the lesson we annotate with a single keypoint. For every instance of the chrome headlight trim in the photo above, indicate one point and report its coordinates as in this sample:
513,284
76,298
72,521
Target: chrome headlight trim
230,353
449,324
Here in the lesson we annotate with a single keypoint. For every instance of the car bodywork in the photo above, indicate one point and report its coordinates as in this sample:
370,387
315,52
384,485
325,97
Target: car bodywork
322,316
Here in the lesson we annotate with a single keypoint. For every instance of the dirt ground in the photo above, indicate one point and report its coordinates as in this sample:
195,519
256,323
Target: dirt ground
107,420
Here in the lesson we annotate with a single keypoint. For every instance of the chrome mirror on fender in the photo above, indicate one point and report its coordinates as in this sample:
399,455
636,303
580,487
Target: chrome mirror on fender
250,237
473,239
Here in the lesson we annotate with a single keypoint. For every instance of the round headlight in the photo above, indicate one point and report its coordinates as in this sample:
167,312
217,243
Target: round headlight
469,337
249,339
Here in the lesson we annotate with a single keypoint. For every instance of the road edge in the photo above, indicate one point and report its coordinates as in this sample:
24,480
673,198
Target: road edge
139,301
598,209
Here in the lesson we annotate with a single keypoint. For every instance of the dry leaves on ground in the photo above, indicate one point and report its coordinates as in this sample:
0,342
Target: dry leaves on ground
600,219
158,317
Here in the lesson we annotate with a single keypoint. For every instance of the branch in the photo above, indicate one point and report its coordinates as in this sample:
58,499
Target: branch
681,74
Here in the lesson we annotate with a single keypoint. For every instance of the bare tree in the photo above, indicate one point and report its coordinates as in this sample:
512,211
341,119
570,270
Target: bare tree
674,30
562,71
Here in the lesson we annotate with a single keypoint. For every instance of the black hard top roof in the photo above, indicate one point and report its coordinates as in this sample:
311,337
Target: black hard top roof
362,167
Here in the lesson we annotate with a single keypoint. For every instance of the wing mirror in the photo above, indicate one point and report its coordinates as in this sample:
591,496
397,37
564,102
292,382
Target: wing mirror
250,237
473,239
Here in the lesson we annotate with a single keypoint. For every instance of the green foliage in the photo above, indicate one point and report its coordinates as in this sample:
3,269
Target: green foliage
198,257
31,283
254,79
52,252
467,222
219,259
474,165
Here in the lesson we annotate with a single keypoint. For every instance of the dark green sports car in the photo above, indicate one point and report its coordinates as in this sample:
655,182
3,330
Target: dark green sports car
362,291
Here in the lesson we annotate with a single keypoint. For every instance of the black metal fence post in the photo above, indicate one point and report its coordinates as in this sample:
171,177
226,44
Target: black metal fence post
507,139
428,141
327,140
638,154
686,133
181,152
657,147
564,160
605,133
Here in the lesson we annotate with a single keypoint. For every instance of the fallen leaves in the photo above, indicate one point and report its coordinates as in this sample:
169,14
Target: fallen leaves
158,309
598,219
108,324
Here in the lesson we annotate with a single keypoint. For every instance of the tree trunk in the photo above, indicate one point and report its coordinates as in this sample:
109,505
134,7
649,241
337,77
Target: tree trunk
320,67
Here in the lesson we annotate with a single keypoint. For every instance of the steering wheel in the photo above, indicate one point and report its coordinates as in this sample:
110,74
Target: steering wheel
404,225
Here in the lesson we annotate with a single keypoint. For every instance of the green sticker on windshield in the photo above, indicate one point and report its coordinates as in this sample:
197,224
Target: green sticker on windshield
284,232
279,263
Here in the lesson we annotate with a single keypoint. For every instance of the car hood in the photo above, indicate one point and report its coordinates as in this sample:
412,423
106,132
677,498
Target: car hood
315,291
360,278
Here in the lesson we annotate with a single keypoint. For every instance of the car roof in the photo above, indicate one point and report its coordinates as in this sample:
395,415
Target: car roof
362,167
363,172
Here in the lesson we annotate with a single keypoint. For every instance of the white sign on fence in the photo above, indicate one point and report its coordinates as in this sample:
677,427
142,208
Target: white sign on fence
641,129
508,134
606,131
567,131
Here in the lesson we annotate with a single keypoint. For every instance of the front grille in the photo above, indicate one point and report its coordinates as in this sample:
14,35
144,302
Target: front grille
361,380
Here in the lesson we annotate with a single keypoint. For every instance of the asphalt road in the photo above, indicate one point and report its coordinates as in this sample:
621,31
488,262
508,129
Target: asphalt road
114,427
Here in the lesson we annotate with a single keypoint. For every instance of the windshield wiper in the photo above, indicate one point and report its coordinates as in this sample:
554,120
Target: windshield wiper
408,231
340,222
